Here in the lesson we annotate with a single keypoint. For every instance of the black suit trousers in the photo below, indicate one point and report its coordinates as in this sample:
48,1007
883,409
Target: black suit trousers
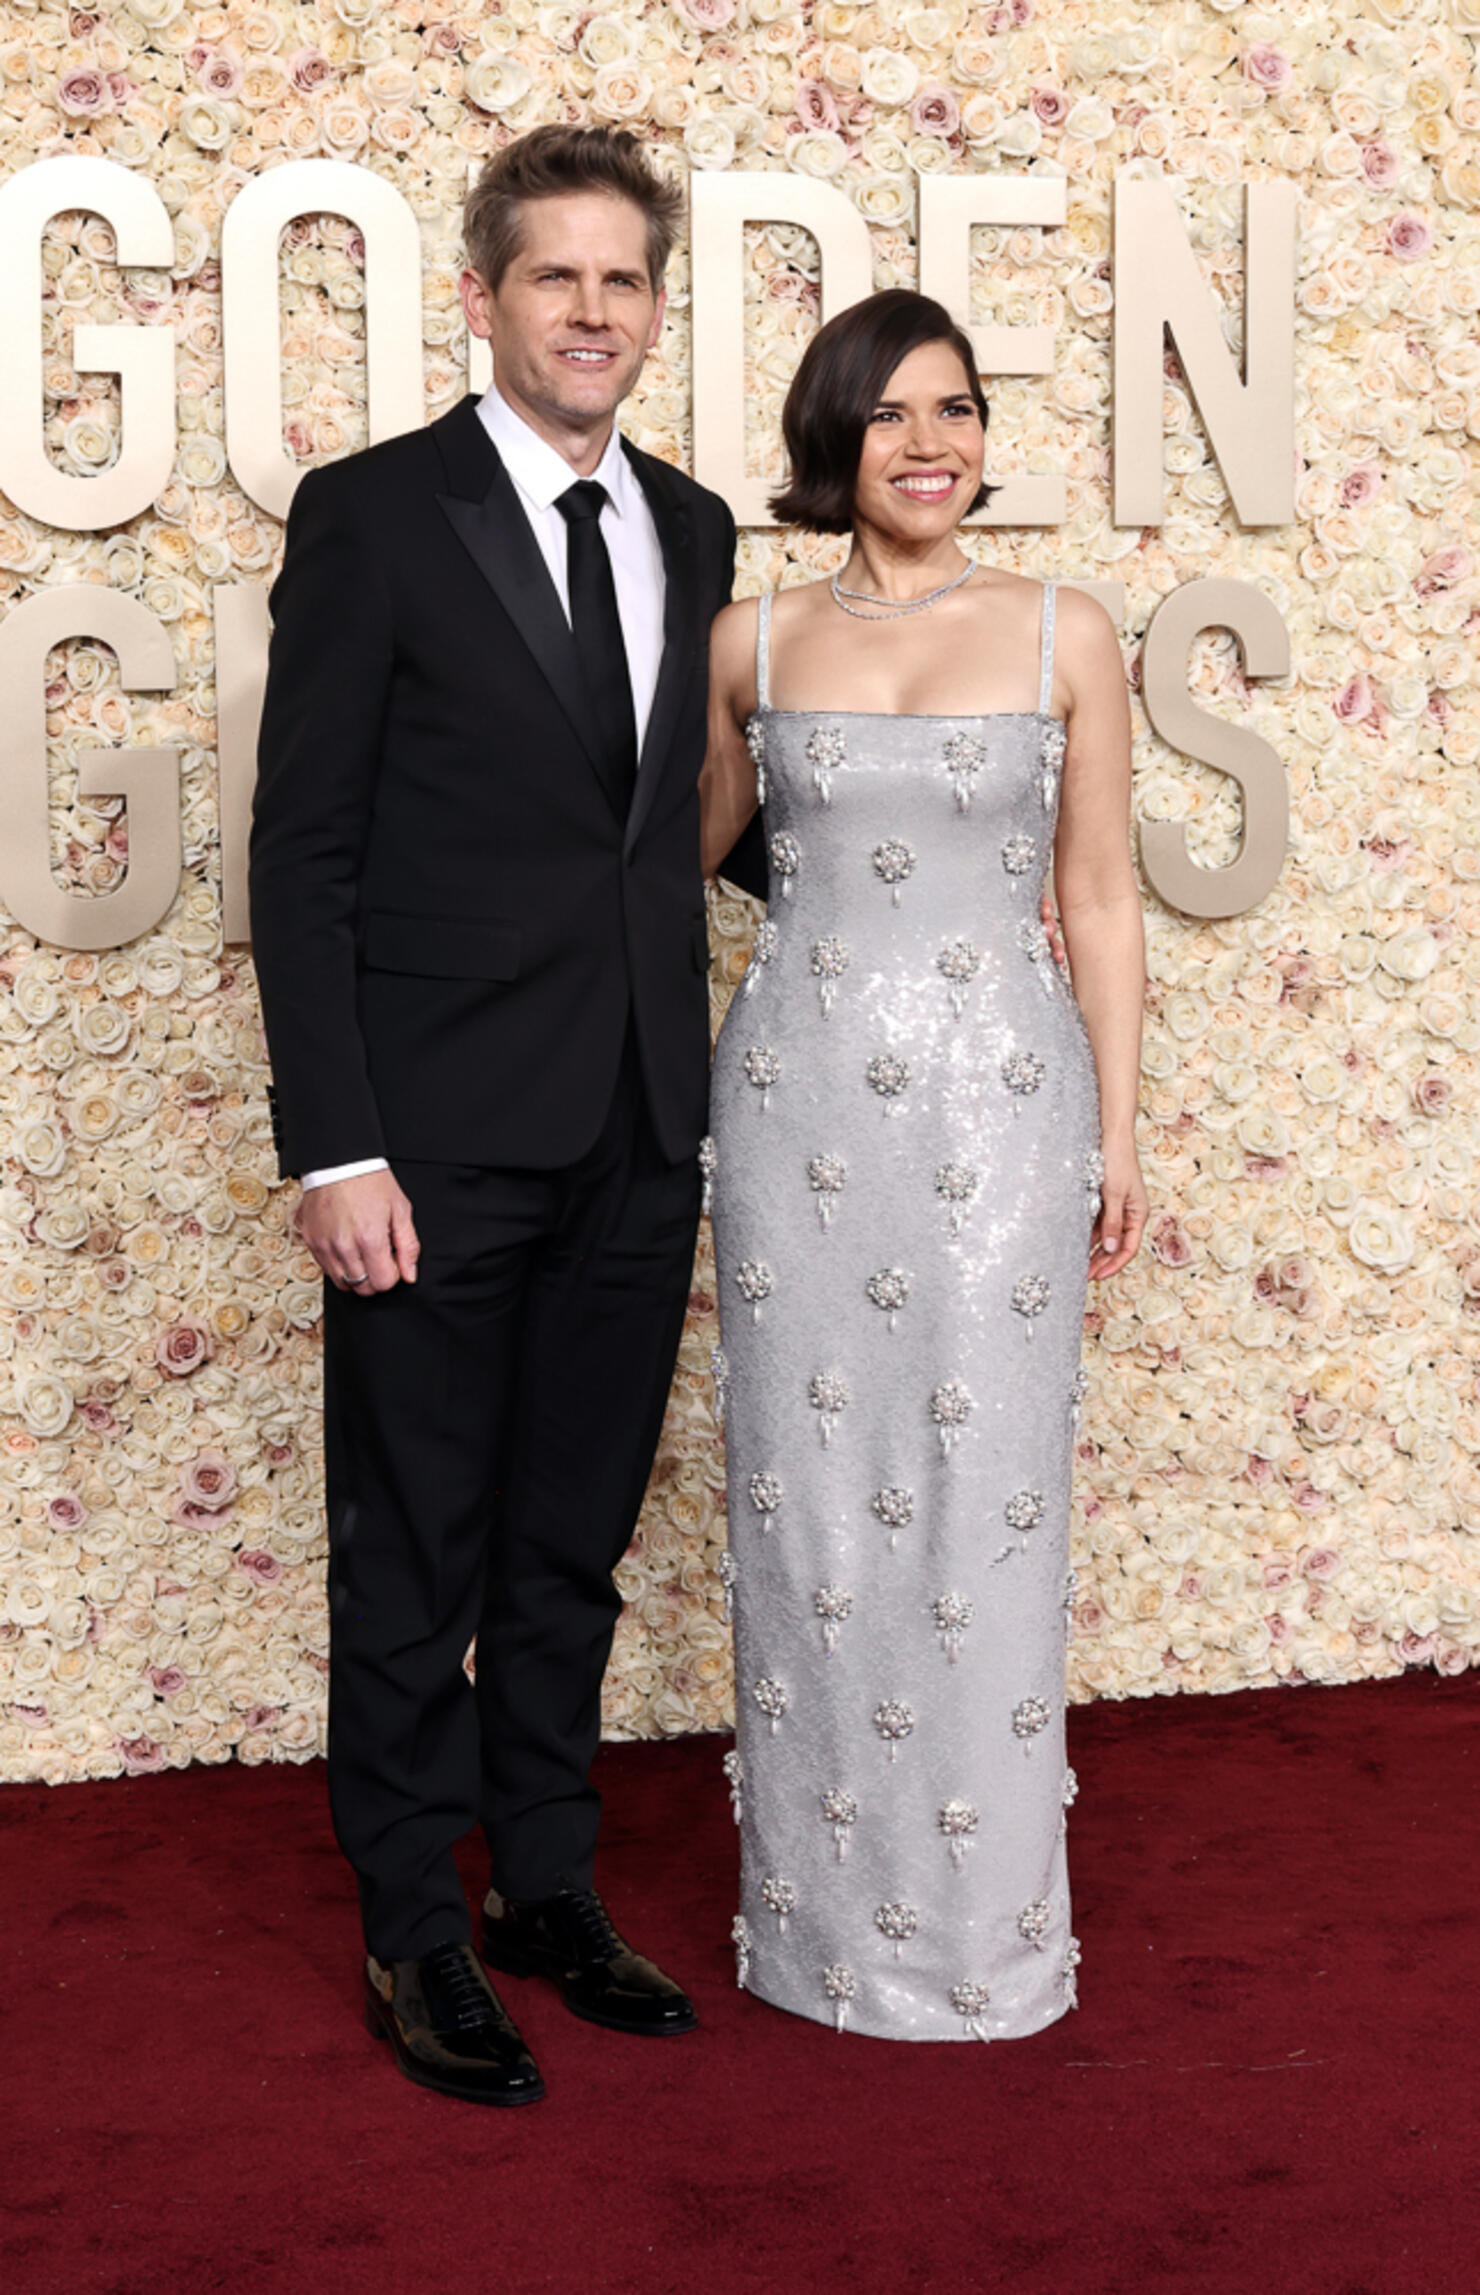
489,1433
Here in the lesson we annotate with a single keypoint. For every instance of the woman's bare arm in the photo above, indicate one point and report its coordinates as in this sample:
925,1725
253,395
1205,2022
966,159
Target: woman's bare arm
727,790
1100,906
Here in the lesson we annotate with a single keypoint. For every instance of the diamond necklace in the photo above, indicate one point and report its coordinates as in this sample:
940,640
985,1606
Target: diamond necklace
890,611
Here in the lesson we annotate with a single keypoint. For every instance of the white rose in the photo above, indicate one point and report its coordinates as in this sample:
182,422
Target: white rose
45,1404
497,83
889,78
1379,1238
816,151
709,142
1410,955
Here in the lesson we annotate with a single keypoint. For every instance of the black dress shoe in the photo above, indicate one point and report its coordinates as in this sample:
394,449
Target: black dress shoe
571,1939
448,2027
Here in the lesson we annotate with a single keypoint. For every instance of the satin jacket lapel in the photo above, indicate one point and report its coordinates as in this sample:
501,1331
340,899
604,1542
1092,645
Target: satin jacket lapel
488,518
680,632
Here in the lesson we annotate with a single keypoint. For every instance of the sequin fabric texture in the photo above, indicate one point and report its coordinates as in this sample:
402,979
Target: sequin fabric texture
917,1177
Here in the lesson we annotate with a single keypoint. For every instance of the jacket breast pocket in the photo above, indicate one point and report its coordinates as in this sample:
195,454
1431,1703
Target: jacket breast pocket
443,947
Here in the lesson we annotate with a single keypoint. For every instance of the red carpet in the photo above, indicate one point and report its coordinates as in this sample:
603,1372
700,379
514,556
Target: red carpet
1270,2086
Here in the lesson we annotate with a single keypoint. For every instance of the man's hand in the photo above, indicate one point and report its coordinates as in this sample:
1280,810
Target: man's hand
361,1232
1051,926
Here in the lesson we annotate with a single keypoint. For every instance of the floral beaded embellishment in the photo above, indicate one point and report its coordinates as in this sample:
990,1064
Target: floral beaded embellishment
958,964
763,1067
740,1938
965,757
1029,1717
719,1372
958,1820
956,1185
894,862
827,1176
952,1613
1018,854
755,1283
765,1495
894,1722
1022,1073
889,1076
1094,1176
833,1604
899,1923
840,1810
734,1770
950,1407
1069,1972
895,1508
779,1897
971,2002
708,1164
841,1985
829,963
786,859
888,1288
772,1700
1023,1512
1030,1295
827,749
727,1570
762,949
827,1392
755,742
1055,739
1077,1394
1032,1924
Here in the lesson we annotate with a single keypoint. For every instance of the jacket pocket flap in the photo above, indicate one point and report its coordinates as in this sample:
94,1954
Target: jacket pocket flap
443,947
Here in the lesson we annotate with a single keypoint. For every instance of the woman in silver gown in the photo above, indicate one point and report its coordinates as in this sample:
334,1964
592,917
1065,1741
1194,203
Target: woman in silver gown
923,1142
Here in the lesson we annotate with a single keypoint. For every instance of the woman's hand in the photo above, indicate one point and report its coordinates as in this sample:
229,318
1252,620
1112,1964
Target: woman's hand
1123,1209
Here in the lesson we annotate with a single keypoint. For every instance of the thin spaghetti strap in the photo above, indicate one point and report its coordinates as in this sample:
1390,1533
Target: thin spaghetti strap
763,653
1045,654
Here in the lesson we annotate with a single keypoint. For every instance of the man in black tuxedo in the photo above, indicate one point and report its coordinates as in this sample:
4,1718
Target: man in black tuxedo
480,937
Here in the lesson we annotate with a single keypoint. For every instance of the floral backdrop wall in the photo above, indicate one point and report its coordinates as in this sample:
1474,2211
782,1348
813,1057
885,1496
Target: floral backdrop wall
1279,1470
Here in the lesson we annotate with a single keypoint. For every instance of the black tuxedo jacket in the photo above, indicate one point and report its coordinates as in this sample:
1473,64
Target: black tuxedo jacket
452,919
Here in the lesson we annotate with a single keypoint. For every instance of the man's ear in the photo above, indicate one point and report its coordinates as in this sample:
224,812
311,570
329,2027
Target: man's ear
476,298
657,326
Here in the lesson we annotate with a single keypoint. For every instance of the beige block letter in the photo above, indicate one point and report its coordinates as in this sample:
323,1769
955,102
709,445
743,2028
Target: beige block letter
1260,629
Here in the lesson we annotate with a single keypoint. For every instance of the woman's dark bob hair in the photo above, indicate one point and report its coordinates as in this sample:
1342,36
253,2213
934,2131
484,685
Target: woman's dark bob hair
840,380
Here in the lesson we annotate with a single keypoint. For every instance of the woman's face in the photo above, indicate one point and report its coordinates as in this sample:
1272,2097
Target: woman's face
922,451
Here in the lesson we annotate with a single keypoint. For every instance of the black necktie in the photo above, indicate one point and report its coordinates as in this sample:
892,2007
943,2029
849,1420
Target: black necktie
597,628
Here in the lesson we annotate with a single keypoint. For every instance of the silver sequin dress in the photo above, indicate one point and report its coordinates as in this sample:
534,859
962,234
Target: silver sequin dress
905,1169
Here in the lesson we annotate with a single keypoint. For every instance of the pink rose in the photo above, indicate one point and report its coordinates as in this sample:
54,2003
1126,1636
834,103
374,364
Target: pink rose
1267,1166
208,1481
66,1511
1279,1631
1050,106
1260,1471
441,39
166,1679
1360,486
96,1415
220,73
308,69
707,15
1191,1588
261,1717
1354,702
1380,164
816,105
1416,1649
256,1563
141,1756
83,94
1267,68
1409,237
183,1348
1089,1618
1278,1573
1308,1498
1171,1246
1433,1093
1443,570
935,111
1322,1562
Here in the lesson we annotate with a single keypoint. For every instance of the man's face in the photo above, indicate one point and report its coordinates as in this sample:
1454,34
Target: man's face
574,315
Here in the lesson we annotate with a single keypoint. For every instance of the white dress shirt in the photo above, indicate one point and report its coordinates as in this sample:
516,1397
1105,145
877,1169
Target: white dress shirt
541,474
